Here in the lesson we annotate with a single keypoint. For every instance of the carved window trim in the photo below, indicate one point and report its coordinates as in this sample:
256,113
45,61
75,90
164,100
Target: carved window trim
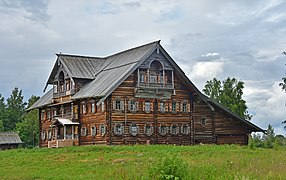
185,129
174,129
185,106
43,135
147,106
163,130
133,105
102,129
148,129
83,131
174,107
162,107
118,129
133,129
93,130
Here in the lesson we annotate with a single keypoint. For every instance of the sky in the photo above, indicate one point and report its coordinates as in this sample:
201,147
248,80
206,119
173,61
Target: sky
225,38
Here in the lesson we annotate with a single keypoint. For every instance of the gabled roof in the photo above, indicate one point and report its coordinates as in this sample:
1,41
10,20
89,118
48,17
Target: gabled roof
84,67
118,67
9,138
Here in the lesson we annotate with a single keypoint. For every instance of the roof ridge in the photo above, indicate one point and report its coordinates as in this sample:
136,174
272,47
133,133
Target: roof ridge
82,56
124,51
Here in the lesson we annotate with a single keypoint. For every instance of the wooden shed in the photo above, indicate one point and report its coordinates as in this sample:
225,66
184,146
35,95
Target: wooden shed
9,140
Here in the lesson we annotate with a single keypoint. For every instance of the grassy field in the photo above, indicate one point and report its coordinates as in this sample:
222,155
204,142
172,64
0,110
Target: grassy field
137,162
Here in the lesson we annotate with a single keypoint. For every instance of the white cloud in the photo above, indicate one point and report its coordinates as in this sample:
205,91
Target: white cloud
267,103
203,71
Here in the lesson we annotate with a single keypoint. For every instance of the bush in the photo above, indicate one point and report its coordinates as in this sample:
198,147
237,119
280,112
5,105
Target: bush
170,167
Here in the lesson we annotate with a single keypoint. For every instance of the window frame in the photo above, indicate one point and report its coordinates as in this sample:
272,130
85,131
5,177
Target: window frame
174,107
93,130
132,127
149,106
163,130
83,131
102,129
150,131
118,129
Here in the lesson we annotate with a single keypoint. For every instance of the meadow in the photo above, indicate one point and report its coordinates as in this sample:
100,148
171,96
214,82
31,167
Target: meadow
139,162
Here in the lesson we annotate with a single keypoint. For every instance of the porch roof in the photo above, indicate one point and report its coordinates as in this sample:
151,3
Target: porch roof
65,121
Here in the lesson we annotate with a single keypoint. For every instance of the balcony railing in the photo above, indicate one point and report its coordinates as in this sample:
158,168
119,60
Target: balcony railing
156,85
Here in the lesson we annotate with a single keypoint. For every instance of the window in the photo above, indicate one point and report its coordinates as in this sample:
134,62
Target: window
163,130
102,107
49,115
148,130
174,130
133,129
93,130
83,131
49,135
55,88
174,107
93,107
55,112
147,106
162,107
152,78
118,129
132,105
43,135
185,129
68,85
43,115
142,78
185,106
102,129
203,121
83,108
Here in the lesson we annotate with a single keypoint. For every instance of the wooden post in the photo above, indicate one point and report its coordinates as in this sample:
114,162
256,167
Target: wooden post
138,78
72,132
163,78
65,132
172,79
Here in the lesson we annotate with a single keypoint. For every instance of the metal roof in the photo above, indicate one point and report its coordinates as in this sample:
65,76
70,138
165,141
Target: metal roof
120,66
65,121
46,99
9,138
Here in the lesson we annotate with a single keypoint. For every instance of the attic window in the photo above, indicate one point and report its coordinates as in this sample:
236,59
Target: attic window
203,121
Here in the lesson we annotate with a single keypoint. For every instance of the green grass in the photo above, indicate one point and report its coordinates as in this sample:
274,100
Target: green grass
136,162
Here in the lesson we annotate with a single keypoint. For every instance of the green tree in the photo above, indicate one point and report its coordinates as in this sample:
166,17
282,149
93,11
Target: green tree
15,110
270,137
228,93
28,129
2,112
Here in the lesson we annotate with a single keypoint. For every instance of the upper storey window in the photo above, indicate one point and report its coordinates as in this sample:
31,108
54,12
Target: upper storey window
61,81
155,75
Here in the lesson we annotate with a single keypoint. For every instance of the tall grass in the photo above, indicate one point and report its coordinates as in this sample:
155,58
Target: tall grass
136,162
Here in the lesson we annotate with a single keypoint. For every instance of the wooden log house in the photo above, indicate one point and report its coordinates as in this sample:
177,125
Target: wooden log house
138,96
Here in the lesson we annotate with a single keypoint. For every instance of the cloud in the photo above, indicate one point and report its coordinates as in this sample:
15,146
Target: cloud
267,103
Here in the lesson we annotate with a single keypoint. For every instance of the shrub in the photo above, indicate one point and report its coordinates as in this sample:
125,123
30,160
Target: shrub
170,167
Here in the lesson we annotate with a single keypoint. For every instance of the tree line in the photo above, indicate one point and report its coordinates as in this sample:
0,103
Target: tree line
15,118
